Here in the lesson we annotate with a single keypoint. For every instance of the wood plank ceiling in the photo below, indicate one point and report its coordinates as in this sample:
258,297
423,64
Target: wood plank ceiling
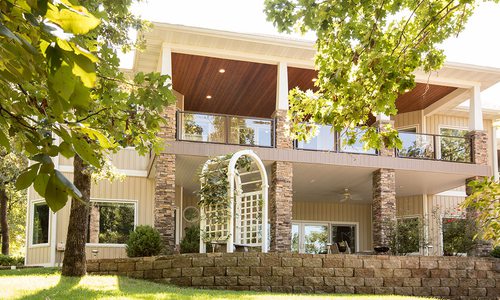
249,89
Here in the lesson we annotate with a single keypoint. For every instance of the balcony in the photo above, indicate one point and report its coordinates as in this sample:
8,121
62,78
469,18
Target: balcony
260,132
225,129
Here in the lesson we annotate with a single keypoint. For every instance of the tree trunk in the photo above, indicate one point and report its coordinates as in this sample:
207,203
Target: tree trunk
4,226
74,263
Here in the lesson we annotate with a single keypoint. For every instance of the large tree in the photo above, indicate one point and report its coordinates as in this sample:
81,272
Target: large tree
76,96
367,52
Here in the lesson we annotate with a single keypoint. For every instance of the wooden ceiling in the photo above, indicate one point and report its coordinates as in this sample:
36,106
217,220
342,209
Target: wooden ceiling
422,96
249,89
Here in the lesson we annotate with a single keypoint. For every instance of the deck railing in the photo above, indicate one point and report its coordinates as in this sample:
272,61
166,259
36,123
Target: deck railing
225,129
252,131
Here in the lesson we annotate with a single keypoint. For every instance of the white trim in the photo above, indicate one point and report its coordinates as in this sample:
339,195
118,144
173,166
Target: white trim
416,126
116,201
30,225
434,78
452,193
282,88
53,236
475,112
447,102
494,152
127,172
26,229
45,265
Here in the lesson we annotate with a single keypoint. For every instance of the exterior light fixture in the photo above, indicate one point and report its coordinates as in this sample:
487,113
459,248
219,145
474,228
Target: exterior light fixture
314,79
222,71
209,97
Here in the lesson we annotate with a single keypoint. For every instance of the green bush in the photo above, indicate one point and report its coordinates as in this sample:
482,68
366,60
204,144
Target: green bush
6,260
144,241
495,252
191,241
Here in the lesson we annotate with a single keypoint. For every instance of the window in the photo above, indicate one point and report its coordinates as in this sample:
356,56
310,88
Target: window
110,222
454,146
40,221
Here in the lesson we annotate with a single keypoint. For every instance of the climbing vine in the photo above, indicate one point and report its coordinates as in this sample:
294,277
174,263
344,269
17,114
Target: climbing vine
214,191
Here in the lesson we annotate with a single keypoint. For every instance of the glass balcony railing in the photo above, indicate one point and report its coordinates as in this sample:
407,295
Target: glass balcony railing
324,141
225,129
250,131
328,140
437,147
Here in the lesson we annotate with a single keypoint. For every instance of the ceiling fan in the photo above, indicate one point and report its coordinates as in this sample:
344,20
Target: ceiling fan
345,195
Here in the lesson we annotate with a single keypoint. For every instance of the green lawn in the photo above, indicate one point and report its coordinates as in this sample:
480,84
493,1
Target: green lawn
48,284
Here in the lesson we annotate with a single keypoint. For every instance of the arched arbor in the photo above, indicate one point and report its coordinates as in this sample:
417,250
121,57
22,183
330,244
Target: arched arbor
234,202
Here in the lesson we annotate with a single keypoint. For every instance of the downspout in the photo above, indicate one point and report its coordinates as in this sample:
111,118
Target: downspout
426,224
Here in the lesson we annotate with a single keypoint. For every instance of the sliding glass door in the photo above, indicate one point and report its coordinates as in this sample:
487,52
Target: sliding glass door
314,238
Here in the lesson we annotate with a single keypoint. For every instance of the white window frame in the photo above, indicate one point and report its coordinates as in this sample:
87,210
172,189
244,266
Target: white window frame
329,224
115,201
420,245
32,223
442,126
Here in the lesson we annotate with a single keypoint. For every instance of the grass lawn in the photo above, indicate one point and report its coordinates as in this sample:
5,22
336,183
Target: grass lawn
48,284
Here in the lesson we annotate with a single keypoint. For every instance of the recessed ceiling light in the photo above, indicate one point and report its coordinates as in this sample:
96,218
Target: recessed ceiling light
209,97
314,79
222,71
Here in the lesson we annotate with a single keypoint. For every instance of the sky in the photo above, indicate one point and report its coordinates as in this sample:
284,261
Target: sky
478,44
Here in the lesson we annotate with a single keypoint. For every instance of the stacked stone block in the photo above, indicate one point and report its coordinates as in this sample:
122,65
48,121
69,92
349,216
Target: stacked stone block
384,206
164,204
280,206
450,277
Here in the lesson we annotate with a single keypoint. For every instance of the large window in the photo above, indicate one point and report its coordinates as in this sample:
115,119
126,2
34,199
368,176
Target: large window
316,237
40,221
110,222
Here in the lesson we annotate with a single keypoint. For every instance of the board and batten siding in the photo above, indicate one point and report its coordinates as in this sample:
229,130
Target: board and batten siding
409,119
125,159
324,211
409,206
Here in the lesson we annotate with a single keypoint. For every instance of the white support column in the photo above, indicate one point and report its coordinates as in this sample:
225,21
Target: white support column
166,60
475,112
282,88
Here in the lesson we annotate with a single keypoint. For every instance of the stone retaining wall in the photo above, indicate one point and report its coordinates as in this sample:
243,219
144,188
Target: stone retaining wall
449,277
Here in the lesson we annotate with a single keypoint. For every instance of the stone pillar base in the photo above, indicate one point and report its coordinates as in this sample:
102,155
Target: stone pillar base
280,206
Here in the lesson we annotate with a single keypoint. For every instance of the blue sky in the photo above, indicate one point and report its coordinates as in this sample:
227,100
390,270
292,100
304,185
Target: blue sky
478,44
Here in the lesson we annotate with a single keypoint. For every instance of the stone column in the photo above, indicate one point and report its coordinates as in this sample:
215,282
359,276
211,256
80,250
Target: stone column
479,146
381,125
384,206
164,197
280,206
283,140
94,223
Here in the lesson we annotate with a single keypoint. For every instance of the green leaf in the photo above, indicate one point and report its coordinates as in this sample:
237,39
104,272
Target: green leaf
66,150
63,182
27,177
63,82
42,158
95,134
40,183
4,140
55,196
85,151
81,96
77,20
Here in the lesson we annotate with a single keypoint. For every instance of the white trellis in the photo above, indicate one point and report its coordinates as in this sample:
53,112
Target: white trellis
247,221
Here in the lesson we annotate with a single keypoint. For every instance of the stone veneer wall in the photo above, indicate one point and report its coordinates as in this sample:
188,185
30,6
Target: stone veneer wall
450,277
280,204
383,206
479,147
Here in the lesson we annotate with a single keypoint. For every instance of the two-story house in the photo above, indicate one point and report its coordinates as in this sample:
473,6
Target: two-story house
232,94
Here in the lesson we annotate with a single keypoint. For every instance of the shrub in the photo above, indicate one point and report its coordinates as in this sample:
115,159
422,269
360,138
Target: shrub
144,241
6,260
191,241
495,252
